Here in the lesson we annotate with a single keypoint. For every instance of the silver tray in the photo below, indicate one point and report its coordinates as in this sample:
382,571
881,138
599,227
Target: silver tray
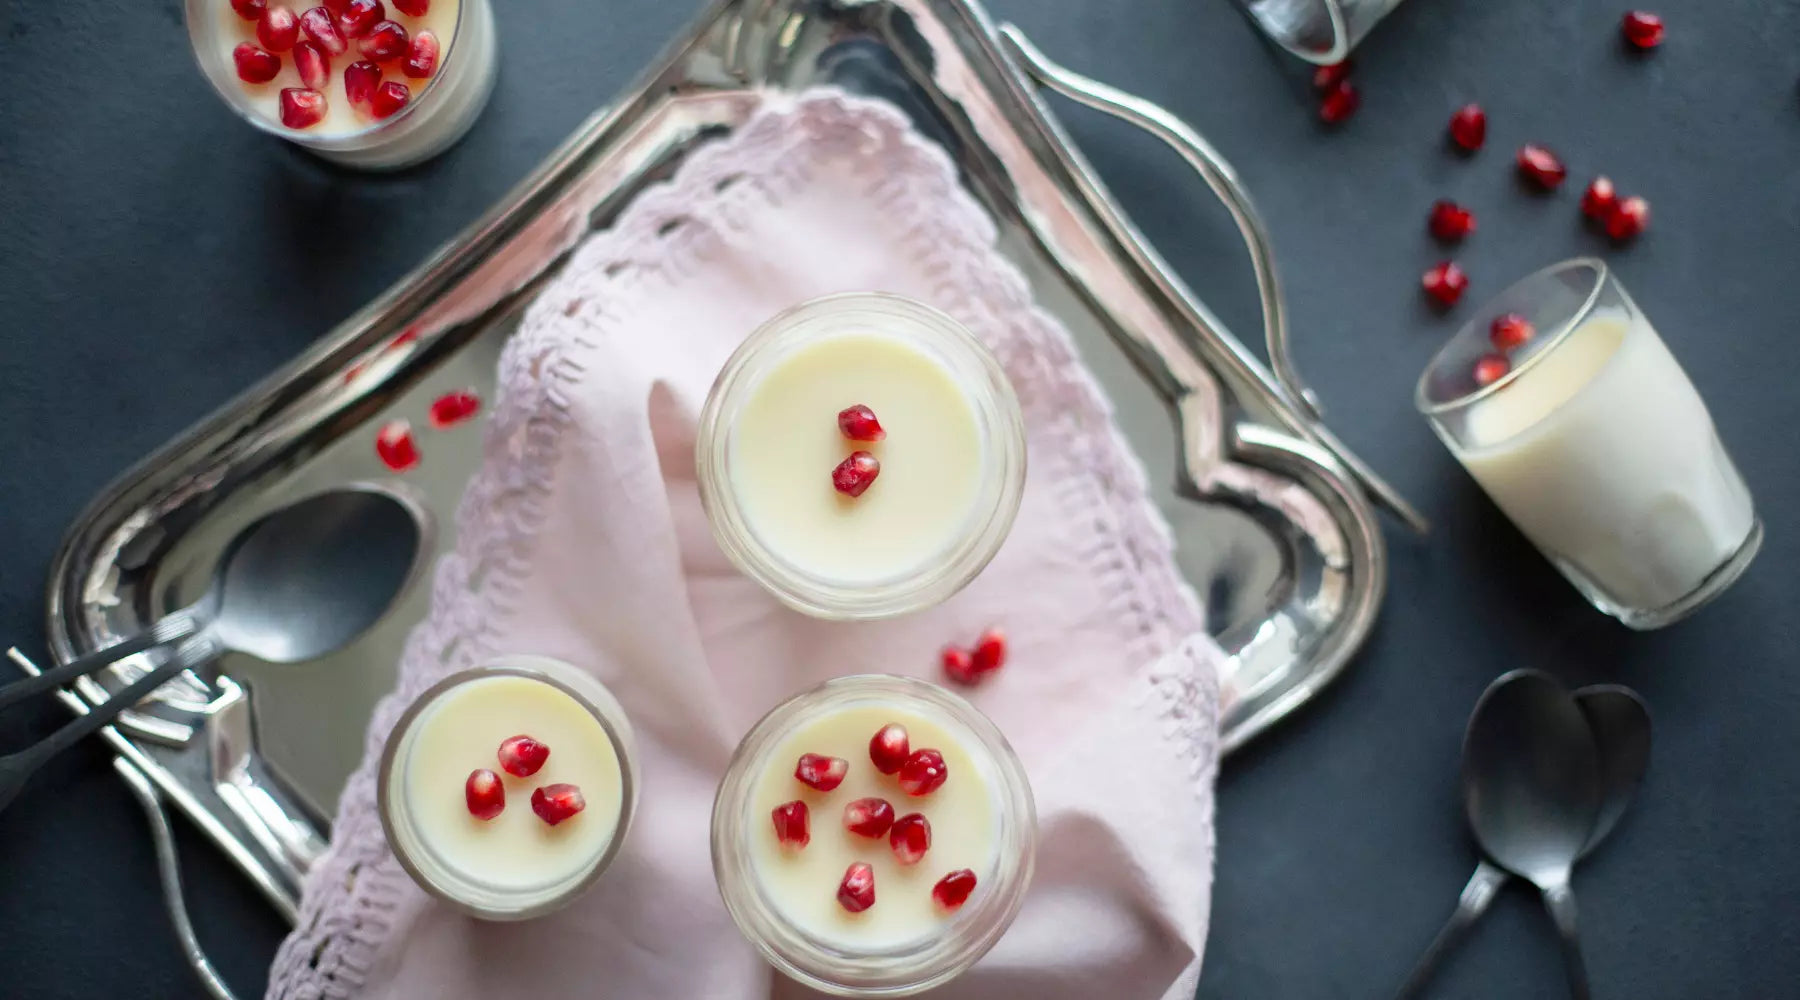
1273,517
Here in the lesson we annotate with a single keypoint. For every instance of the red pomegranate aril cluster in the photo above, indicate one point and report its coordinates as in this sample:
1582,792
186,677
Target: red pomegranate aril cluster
858,423
1641,29
854,475
360,80
323,32
558,802
821,772
1326,78
1541,166
249,10
1468,127
522,756
255,65
793,824
385,42
314,67
485,794
909,838
869,817
359,16
923,773
889,748
389,98
973,665
1445,283
422,59
321,29
1628,218
856,892
278,29
303,108
953,890
1451,222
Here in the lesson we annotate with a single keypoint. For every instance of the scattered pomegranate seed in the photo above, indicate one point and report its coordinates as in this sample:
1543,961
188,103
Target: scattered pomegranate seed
953,889
250,10
522,756
1451,222
910,838
422,59
959,664
484,793
793,824
1491,368
1598,200
389,98
858,423
1628,218
314,65
1642,29
854,475
360,16
1540,166
457,405
990,651
414,8
555,803
254,65
336,6
1339,103
319,26
1446,283
889,747
821,772
1326,78
360,80
394,442
302,108
385,42
923,773
869,817
1510,332
278,30
1468,127
856,892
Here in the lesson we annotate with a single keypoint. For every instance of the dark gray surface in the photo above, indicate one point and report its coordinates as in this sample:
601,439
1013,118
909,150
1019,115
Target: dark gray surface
156,256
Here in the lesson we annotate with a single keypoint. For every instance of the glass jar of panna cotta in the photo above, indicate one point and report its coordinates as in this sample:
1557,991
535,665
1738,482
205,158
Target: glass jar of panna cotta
522,856
419,115
950,459
1570,411
946,868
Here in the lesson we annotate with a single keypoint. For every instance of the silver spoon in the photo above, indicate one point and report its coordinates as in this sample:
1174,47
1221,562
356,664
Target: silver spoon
1621,728
297,584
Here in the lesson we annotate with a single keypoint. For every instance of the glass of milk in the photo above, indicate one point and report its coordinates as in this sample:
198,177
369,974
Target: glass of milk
1319,31
1590,437
440,111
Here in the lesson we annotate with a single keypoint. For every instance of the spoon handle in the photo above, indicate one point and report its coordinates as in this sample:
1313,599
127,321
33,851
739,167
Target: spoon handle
1476,896
171,628
1560,901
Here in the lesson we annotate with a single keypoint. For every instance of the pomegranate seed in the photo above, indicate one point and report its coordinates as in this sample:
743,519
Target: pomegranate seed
250,10
1491,368
422,60
254,65
1598,200
959,664
856,892
394,442
821,772
1540,166
1642,29
889,747
484,793
1446,283
360,80
303,109
1451,222
414,8
314,65
1327,78
319,26
457,405
385,42
1628,218
1468,127
793,824
923,773
389,98
336,6
278,30
1510,332
854,475
859,424
1339,103
555,803
910,838
869,817
359,16
522,756
953,889
990,651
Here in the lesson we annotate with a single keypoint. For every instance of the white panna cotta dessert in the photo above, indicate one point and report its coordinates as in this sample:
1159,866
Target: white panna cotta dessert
861,456
874,836
379,84
1586,432
506,790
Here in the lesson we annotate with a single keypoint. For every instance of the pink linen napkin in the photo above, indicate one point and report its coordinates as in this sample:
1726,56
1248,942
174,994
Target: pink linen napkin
582,537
